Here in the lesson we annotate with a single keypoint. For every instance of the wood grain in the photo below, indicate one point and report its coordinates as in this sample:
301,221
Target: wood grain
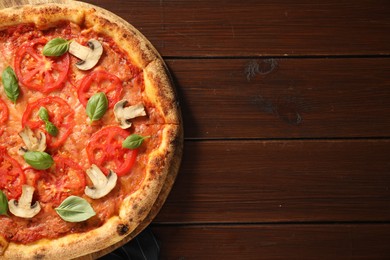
284,98
259,28
281,181
337,241
285,105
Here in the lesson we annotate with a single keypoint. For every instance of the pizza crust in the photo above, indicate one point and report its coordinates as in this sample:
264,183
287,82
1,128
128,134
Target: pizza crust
133,210
175,135
158,92
162,161
98,19
43,16
158,83
124,34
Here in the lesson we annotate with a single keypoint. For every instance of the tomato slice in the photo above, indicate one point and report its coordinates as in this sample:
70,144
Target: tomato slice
11,175
105,150
38,72
3,112
60,114
59,182
100,81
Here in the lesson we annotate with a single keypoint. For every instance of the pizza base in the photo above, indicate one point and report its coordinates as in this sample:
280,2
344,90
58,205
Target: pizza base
163,162
132,212
98,19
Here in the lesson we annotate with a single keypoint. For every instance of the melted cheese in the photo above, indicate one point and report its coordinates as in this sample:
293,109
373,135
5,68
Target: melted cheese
23,231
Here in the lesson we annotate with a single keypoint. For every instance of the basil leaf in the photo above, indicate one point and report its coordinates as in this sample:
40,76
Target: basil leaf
43,114
10,83
38,160
51,128
56,47
133,141
97,105
75,209
3,204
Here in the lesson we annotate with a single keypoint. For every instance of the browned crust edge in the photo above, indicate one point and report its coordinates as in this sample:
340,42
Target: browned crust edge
100,20
127,36
172,171
160,92
42,15
164,162
133,214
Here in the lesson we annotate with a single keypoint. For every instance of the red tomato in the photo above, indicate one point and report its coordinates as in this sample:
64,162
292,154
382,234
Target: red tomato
105,150
100,81
60,114
59,182
11,176
3,112
38,72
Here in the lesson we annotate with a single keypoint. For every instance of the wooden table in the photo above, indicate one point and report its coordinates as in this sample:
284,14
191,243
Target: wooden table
286,108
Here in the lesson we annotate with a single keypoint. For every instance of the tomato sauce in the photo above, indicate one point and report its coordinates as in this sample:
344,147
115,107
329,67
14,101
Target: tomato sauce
55,83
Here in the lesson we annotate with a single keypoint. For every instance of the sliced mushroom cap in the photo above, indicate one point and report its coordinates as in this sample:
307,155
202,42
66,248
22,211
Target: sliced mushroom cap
89,55
23,207
124,114
32,143
102,184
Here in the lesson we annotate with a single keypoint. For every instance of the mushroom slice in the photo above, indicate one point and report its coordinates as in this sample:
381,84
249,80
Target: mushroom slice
23,207
32,142
89,56
102,184
123,114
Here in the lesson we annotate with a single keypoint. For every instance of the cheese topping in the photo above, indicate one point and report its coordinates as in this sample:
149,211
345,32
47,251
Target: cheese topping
68,174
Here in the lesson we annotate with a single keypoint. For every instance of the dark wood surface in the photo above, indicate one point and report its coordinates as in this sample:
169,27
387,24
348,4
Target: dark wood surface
286,108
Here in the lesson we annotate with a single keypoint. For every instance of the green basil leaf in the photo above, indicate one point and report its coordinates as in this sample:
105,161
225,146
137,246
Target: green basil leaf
75,209
133,141
38,160
51,128
43,114
56,47
3,204
97,105
10,83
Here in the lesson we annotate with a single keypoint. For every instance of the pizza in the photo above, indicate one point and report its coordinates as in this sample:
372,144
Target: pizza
90,130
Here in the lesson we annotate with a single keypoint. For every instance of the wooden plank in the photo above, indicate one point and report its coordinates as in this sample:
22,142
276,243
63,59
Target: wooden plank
274,242
258,28
284,98
281,181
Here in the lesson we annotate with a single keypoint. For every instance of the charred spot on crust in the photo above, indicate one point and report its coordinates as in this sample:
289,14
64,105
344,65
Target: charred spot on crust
141,211
39,256
122,229
52,10
176,141
158,162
